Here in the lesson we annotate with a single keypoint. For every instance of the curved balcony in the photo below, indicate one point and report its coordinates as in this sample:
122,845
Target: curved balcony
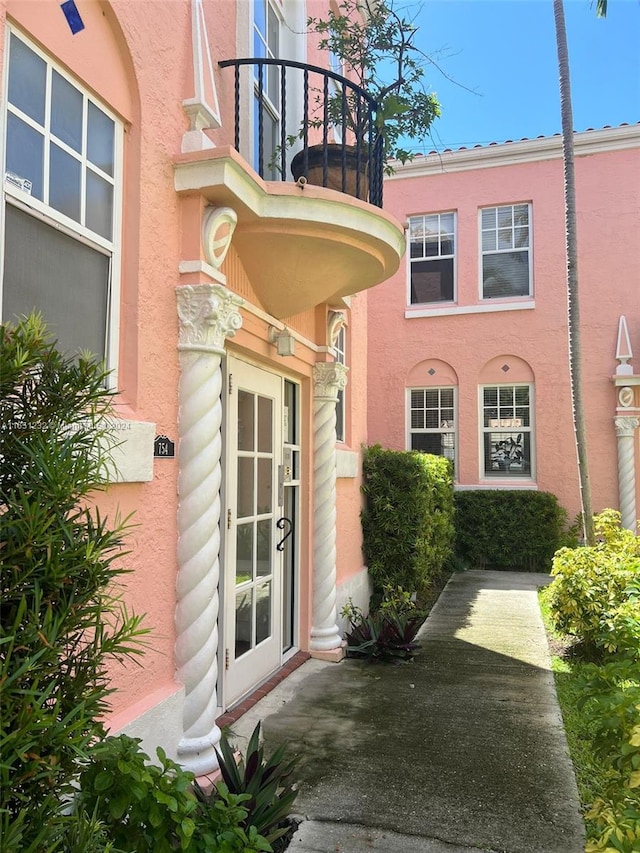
306,242
328,112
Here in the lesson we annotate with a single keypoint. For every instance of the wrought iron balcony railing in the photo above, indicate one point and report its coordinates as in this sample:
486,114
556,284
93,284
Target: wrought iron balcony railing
326,120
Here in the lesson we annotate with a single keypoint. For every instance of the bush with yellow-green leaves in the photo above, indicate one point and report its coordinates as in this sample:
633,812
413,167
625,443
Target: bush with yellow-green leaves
595,596
611,703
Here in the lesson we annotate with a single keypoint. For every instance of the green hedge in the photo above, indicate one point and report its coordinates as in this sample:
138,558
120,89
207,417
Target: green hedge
408,519
508,529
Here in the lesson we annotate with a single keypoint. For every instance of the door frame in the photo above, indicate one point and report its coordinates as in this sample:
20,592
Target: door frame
237,677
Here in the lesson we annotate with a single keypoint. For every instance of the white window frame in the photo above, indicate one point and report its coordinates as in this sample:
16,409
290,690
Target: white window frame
44,212
340,356
528,248
440,430
336,64
270,52
440,256
507,429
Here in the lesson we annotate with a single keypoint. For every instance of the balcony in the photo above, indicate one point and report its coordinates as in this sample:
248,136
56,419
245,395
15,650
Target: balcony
318,235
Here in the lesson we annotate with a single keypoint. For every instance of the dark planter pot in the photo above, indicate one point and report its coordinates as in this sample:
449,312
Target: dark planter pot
315,171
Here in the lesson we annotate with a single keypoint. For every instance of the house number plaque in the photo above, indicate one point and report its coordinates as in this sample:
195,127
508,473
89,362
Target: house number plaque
163,447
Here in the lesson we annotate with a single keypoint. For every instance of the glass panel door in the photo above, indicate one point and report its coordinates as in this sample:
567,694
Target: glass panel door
253,575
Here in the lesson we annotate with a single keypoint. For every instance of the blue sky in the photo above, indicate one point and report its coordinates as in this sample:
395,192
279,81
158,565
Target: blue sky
504,51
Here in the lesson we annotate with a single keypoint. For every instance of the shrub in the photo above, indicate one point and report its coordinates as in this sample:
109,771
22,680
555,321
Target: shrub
611,703
389,632
145,807
408,519
61,620
508,529
264,783
595,596
616,822
611,700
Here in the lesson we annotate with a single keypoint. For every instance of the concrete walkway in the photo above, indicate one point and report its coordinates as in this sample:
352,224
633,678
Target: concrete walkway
461,751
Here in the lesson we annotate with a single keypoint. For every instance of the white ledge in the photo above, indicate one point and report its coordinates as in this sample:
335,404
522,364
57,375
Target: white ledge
485,308
631,379
499,484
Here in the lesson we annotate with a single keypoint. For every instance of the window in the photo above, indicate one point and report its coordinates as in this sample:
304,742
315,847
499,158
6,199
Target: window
432,421
432,258
340,349
335,90
507,430
266,45
60,195
506,259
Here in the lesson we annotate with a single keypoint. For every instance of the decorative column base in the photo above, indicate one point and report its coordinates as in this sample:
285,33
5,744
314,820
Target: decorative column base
199,754
331,655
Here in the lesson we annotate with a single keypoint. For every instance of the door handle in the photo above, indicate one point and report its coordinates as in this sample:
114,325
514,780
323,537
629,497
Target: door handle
281,524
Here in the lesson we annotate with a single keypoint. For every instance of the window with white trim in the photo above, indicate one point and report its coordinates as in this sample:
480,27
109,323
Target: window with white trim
266,45
506,251
507,430
432,421
432,258
61,197
336,64
340,350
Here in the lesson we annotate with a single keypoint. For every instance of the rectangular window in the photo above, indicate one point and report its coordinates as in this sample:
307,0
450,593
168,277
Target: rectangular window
340,349
266,45
335,92
507,430
61,183
432,258
432,426
506,255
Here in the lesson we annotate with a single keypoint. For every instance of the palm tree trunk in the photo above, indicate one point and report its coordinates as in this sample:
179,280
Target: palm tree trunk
573,304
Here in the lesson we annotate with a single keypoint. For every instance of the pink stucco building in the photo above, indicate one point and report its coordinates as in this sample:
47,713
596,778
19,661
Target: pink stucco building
144,214
470,347
230,308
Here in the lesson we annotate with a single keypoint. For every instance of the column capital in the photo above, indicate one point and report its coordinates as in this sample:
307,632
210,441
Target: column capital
328,378
208,314
626,426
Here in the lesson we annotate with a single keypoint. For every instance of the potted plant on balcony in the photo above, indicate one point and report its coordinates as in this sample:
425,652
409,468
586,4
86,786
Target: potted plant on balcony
373,45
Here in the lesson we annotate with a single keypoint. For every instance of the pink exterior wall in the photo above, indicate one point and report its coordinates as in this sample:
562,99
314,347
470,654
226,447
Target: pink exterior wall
350,561
469,349
143,74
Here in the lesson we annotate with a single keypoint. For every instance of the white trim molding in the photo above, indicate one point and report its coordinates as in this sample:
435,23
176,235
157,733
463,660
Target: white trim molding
503,485
524,305
522,151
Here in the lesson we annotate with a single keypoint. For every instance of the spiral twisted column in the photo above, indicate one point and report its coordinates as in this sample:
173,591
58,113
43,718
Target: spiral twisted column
328,379
625,433
208,314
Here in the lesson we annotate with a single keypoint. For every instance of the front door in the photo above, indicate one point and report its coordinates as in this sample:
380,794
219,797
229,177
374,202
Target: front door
253,563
